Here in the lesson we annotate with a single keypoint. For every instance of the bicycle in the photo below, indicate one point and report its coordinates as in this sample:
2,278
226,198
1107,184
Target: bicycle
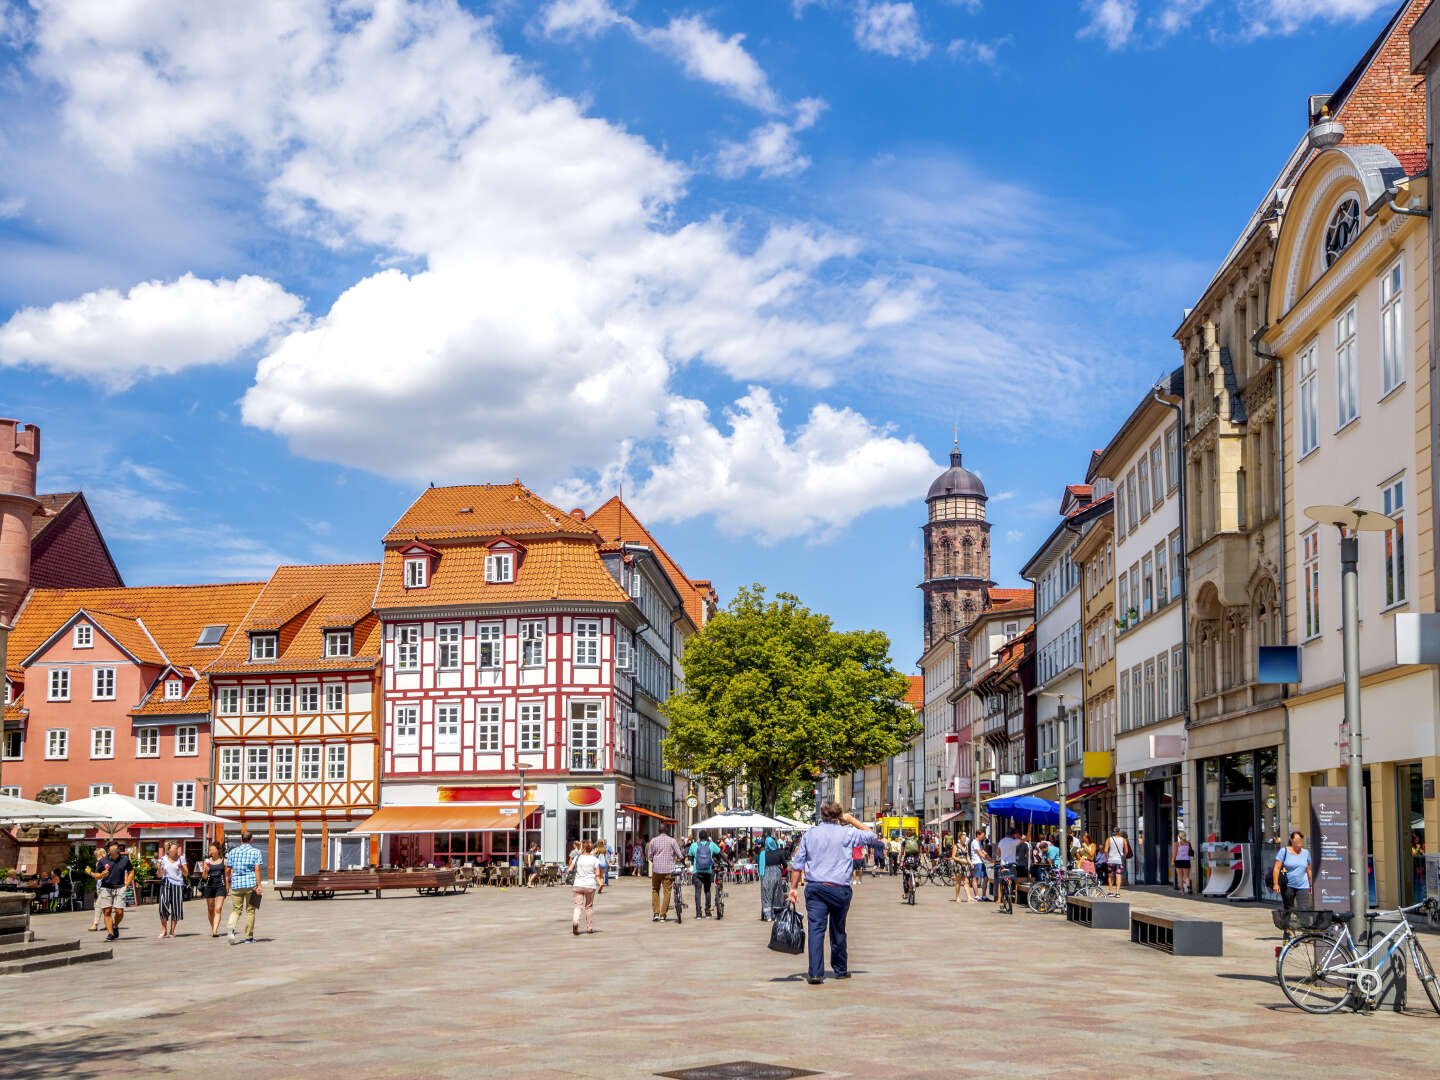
677,892
720,895
1047,890
1319,971
908,875
1006,889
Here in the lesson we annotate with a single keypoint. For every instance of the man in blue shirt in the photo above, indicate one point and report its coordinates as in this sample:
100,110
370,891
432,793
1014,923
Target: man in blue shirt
242,874
823,860
703,857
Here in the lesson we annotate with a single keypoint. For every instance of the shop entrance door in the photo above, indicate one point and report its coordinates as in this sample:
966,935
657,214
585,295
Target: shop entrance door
1159,832
1410,845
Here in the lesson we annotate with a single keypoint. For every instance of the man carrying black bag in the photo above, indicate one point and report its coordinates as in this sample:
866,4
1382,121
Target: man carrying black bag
823,857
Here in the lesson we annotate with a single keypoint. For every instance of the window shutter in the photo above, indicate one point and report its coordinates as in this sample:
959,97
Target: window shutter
622,655
489,568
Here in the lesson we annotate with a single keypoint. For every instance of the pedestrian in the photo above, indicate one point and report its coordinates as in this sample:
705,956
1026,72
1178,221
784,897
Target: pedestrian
892,854
637,859
1294,875
978,847
772,876
113,875
857,862
585,865
1180,856
1086,854
823,860
1117,849
702,855
574,850
532,864
172,889
601,851
242,877
212,887
663,854
960,867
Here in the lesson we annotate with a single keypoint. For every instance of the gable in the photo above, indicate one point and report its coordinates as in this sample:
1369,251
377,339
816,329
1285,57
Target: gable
67,550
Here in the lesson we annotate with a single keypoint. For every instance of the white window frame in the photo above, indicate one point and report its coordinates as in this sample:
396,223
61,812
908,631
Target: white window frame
1157,469
102,684
147,742
1347,370
447,728
532,727
587,642
334,697
228,702
18,736
309,698
488,729
58,685
102,743
83,636
257,764
1178,689
489,645
448,646
311,763
264,647
1311,627
103,789
407,729
1392,327
231,765
500,568
337,762
282,764
1309,398
1396,588
174,689
187,741
339,643
532,643
148,790
182,795
585,738
282,700
417,572
622,654
12,791
257,698
407,647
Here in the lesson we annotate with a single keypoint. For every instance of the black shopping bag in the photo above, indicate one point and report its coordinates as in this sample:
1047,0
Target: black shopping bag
787,932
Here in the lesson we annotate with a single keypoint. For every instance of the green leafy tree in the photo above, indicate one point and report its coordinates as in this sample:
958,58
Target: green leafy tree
775,694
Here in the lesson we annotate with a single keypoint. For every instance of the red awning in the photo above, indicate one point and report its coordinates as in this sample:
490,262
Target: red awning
1084,793
444,817
648,813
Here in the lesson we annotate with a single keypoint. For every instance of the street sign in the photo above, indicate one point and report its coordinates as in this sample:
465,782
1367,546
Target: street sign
1330,837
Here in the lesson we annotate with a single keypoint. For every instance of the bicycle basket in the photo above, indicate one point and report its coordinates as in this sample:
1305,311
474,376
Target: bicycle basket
1303,919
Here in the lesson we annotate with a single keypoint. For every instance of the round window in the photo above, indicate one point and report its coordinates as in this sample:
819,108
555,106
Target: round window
1343,228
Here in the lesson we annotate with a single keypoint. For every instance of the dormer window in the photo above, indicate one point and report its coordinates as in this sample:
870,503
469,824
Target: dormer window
417,573
210,635
337,643
1343,228
263,646
84,637
500,568
174,690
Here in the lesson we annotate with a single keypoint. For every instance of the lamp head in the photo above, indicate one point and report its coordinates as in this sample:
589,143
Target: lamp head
1353,518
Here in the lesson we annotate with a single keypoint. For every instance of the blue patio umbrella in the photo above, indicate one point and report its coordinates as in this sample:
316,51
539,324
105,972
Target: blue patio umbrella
1029,809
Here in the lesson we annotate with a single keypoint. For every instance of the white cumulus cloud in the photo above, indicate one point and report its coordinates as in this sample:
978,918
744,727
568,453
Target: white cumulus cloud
771,148
890,29
157,328
1112,21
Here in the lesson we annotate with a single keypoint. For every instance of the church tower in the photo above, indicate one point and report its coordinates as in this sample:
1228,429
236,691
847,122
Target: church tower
957,552
19,454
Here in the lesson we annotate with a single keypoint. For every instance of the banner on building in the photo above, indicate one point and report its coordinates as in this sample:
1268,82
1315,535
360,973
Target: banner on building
1330,847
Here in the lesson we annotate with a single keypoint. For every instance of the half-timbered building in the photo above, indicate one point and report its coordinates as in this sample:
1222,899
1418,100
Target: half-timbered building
297,746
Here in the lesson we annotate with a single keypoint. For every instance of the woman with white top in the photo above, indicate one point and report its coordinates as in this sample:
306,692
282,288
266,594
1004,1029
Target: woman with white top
172,889
1116,850
587,883
1180,858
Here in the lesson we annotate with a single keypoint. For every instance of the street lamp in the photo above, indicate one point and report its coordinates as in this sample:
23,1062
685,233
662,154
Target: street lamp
1351,520
520,862
1060,778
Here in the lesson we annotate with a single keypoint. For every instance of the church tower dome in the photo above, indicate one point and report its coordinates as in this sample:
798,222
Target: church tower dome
956,480
957,552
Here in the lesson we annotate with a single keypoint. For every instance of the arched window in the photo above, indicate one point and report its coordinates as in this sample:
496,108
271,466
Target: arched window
1343,228
947,562
947,622
967,561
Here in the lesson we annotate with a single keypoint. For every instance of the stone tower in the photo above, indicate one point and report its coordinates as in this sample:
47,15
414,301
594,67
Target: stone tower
19,455
957,553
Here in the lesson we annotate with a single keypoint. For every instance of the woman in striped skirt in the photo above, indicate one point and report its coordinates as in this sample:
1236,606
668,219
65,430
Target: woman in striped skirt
172,889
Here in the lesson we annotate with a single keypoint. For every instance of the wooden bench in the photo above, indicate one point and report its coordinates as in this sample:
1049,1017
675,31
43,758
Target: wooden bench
1177,935
324,885
1097,914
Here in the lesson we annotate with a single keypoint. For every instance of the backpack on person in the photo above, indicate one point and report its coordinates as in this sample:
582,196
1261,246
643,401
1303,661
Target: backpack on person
704,859
1022,858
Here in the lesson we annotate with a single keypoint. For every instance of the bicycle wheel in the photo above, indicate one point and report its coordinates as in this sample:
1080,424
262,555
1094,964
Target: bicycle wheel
1035,897
1303,968
1094,891
1426,973
719,904
913,882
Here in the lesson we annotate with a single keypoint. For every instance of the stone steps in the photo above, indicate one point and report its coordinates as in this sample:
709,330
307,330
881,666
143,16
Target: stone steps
17,937
69,953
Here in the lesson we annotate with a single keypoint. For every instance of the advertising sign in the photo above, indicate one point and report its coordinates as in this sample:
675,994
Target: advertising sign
1330,848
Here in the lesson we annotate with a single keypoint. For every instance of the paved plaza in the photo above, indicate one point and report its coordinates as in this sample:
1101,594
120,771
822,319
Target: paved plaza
493,984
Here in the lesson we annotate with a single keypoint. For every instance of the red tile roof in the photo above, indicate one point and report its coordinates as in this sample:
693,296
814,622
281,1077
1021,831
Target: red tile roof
617,524
476,510
915,696
567,568
49,509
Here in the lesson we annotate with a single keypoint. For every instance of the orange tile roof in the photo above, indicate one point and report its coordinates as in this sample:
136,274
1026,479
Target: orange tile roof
194,703
173,614
475,510
16,710
558,568
130,634
915,696
616,523
306,601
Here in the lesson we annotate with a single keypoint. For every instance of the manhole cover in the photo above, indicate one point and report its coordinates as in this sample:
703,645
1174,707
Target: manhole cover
739,1070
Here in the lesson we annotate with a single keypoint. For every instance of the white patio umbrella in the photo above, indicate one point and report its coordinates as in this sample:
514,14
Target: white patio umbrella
125,810
740,819
15,811
794,824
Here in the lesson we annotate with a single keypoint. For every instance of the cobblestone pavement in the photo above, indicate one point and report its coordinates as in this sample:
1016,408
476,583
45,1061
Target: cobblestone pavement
493,984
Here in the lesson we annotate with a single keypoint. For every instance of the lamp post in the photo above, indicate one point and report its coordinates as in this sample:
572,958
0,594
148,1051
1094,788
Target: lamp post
1350,520
1060,785
520,862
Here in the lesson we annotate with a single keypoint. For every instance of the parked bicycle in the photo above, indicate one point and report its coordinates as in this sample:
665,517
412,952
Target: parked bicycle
1319,970
677,892
1005,888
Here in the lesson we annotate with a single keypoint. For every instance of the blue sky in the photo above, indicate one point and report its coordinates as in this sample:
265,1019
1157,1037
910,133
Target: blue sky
267,273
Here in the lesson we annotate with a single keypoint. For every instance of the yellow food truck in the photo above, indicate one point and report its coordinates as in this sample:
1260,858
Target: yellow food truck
897,828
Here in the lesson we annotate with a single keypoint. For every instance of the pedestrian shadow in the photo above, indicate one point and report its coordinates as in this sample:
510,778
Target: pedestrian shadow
1246,978
72,1056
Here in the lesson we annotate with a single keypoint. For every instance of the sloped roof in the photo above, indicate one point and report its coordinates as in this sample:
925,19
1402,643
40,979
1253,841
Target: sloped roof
50,508
616,523
558,568
196,701
130,634
1010,600
477,510
308,600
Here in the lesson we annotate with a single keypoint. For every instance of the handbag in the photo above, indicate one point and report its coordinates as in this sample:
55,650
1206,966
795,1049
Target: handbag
787,932
255,899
